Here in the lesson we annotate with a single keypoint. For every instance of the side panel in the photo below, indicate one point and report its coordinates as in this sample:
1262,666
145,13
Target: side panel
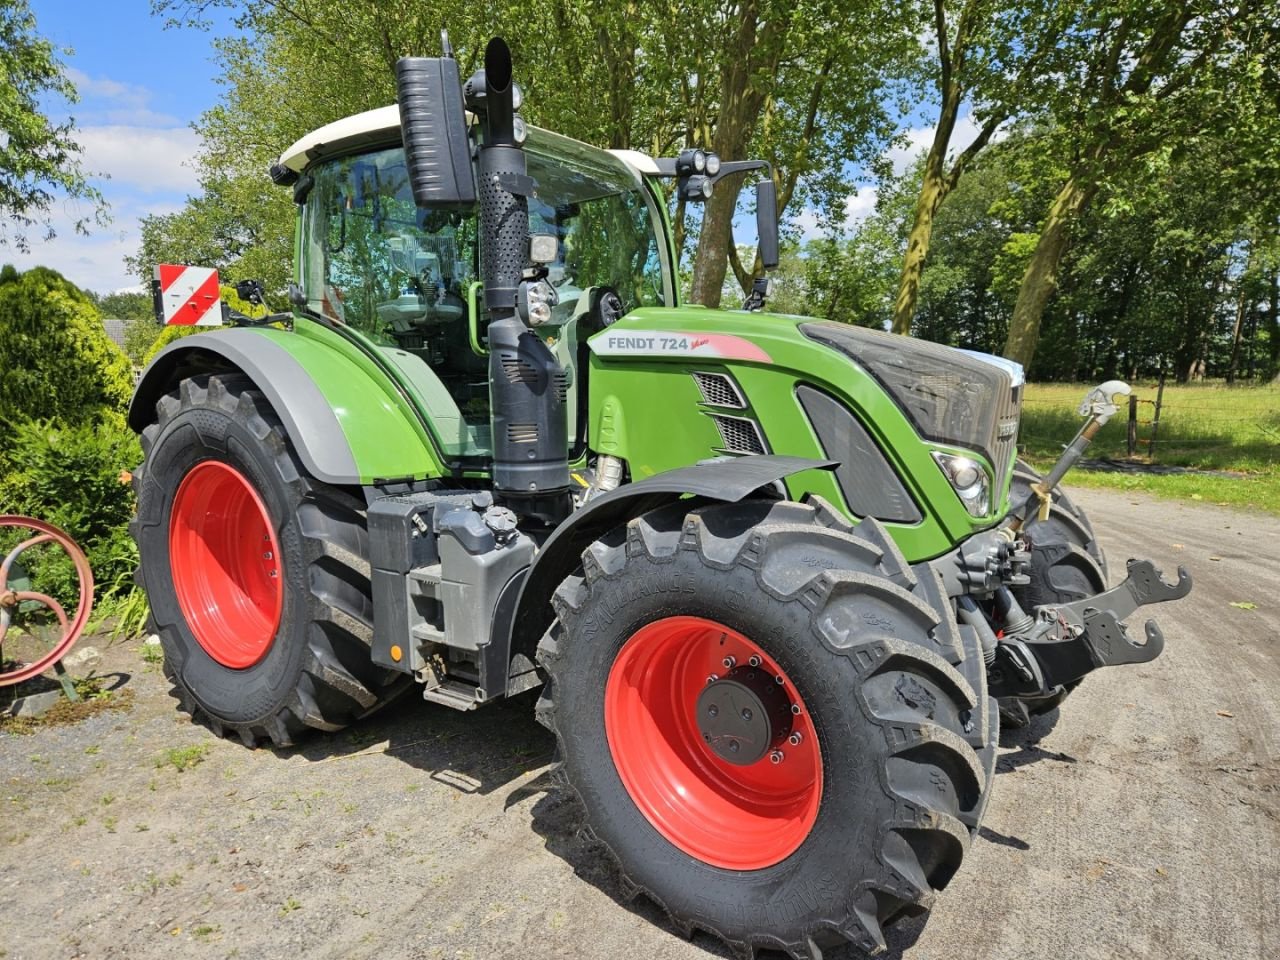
645,407
350,424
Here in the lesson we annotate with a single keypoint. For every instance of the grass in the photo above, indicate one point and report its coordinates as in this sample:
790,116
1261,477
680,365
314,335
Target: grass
183,759
1203,426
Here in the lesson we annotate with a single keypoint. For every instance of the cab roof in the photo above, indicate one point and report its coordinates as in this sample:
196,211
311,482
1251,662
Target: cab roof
382,126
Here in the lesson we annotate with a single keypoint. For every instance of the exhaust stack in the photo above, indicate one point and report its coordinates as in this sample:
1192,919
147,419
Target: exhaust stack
527,385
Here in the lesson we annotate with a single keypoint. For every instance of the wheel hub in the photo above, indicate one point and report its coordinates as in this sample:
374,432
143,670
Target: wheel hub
681,693
743,714
225,560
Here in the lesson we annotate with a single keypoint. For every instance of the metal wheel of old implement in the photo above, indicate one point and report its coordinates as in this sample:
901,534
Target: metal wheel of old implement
15,595
698,718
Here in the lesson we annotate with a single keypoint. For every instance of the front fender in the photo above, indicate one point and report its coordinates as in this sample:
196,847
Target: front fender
345,421
724,480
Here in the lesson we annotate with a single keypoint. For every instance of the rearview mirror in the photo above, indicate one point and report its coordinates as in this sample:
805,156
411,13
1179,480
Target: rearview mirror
433,125
767,221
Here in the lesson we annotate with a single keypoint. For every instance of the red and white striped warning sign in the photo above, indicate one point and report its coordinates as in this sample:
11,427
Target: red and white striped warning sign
189,295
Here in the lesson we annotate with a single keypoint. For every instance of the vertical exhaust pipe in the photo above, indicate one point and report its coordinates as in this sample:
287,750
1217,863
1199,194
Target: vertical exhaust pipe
527,385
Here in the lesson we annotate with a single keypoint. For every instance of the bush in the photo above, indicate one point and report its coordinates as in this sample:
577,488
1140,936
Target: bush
57,359
69,475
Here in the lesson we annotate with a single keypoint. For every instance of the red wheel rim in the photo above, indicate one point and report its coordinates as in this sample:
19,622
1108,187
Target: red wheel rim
225,563
724,814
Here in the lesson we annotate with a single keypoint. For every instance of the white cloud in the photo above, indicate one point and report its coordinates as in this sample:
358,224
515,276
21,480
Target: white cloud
917,140
125,94
93,262
857,207
148,159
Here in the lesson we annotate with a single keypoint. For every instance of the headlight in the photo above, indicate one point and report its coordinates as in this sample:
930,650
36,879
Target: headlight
969,480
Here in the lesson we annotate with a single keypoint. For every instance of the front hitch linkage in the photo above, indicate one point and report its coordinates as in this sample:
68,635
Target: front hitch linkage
1070,640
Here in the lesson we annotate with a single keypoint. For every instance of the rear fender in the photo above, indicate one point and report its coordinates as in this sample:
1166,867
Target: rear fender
322,399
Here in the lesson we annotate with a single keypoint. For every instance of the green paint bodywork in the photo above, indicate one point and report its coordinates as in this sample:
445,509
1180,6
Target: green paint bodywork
648,411
387,438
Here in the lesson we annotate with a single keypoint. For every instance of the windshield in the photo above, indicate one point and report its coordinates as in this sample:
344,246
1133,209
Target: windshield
368,247
407,278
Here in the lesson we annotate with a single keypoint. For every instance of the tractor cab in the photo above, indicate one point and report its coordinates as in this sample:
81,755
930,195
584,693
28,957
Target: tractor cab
407,279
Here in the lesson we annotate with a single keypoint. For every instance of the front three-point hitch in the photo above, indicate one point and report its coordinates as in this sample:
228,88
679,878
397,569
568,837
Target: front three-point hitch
1033,655
1065,642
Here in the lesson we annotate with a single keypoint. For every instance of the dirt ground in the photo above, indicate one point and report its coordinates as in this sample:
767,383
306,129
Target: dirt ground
1146,823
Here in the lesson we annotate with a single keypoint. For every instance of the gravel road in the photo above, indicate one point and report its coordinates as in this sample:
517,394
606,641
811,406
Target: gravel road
1145,823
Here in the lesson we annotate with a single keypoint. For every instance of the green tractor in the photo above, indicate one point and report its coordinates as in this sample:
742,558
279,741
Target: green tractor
777,578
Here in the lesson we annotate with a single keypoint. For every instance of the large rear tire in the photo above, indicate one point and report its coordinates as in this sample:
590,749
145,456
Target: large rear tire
820,839
257,574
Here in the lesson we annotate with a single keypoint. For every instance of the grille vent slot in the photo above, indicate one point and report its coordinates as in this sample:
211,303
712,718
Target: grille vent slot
519,371
719,390
562,386
522,433
739,434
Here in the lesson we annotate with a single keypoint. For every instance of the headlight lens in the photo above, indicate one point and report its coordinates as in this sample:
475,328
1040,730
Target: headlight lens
969,480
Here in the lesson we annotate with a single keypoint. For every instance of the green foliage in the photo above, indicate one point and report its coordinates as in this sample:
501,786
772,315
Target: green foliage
70,476
139,337
790,83
183,759
38,159
57,359
126,305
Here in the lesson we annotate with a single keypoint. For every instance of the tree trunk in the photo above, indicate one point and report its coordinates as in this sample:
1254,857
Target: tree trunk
754,51
1237,333
1041,277
711,262
1273,371
932,190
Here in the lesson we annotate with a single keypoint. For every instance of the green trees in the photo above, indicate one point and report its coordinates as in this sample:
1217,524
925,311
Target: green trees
1147,82
37,157
57,359
800,85
62,401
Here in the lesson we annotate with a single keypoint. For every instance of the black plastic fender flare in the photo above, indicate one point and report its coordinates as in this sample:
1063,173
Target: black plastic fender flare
727,481
297,401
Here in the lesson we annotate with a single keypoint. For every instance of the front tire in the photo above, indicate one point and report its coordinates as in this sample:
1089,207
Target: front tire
256,573
864,816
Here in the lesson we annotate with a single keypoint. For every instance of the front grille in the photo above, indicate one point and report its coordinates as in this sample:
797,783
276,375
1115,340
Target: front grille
950,396
1005,444
719,390
522,433
739,435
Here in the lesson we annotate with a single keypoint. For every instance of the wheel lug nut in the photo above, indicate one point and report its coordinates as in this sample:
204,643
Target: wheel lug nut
746,714
795,739
713,710
778,680
795,709
733,746
713,678
776,756
729,663
754,661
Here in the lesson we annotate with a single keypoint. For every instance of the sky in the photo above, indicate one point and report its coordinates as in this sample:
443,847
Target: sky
141,86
